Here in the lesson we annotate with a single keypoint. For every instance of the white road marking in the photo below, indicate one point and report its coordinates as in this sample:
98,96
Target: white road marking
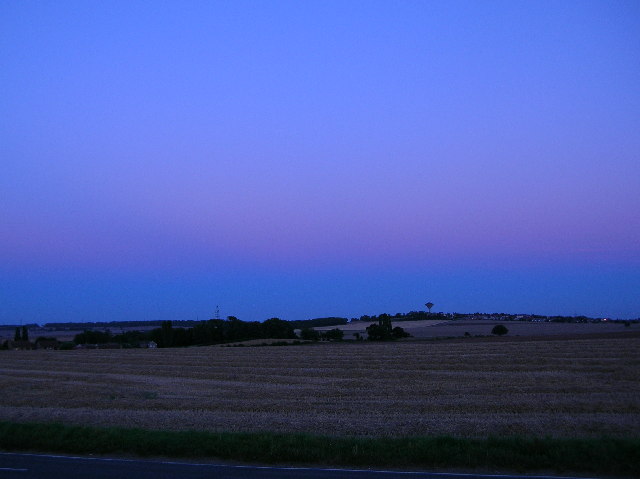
13,469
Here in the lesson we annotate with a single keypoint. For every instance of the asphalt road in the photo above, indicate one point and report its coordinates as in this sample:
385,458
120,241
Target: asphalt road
32,466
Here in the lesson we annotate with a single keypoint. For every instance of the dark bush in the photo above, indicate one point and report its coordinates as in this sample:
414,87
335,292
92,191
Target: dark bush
384,331
333,335
92,337
499,330
309,334
398,332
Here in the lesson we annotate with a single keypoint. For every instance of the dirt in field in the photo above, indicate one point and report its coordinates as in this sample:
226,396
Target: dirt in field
583,387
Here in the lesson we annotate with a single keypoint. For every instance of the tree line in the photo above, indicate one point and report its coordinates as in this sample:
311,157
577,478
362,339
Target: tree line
410,316
297,324
232,329
213,331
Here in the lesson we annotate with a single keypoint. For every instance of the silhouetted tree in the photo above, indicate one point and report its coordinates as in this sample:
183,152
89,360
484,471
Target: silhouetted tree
499,330
92,337
166,334
131,338
233,329
25,333
278,328
384,331
318,322
398,332
309,334
333,335
17,336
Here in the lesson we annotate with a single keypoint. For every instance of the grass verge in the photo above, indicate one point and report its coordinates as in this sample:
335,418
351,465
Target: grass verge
601,456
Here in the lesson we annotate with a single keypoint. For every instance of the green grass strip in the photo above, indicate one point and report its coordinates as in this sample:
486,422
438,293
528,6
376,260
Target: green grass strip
602,456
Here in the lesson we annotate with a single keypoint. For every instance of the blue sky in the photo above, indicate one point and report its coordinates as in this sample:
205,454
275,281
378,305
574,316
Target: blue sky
306,159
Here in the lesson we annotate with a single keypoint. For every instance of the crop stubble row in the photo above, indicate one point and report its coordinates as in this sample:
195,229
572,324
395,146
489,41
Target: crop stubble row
583,388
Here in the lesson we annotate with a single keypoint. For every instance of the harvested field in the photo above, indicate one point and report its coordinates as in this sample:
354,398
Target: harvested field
447,329
516,328
565,388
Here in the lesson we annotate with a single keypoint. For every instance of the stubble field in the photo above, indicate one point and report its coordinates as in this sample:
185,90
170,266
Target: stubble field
565,388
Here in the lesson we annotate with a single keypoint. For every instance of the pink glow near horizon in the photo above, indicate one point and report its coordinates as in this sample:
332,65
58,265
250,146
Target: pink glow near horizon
306,138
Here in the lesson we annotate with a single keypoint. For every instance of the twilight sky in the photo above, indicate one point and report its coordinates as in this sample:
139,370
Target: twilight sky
318,158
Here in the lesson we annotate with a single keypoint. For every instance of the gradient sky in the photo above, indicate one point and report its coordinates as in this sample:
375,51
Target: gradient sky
318,158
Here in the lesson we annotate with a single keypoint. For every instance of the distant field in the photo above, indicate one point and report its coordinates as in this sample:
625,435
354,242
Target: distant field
434,329
574,388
